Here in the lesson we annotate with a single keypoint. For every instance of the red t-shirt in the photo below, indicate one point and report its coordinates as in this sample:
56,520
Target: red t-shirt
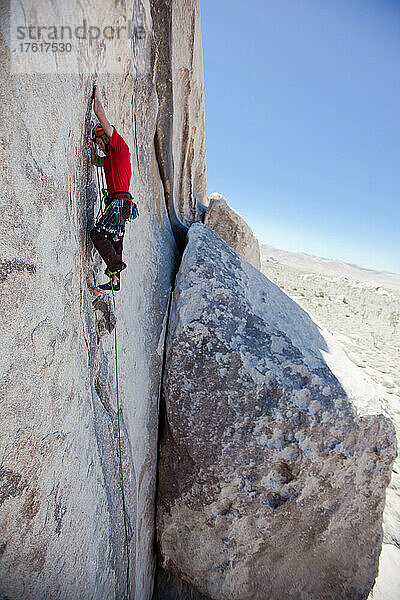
117,165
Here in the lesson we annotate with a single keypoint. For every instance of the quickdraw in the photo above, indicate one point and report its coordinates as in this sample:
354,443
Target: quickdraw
110,219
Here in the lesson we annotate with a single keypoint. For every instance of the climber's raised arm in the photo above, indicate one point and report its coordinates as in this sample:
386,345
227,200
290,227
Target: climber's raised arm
108,233
100,113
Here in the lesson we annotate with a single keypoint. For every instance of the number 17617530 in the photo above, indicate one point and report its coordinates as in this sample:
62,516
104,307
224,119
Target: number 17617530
45,47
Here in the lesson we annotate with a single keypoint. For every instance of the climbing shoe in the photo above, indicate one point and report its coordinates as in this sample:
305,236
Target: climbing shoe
106,287
110,273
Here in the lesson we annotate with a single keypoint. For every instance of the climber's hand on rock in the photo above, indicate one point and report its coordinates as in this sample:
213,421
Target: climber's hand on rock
100,113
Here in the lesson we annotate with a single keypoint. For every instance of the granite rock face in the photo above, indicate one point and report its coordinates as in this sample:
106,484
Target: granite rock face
223,219
271,485
190,190
61,526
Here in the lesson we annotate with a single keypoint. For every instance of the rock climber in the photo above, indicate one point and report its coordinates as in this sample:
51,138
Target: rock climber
116,161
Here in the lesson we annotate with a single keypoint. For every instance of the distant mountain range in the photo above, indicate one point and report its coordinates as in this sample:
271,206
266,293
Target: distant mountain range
330,267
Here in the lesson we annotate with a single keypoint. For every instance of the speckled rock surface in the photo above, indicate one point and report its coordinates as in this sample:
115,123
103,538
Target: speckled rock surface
223,219
61,527
271,485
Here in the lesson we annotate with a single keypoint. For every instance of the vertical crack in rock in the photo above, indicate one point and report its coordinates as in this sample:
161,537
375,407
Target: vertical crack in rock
98,320
187,151
161,11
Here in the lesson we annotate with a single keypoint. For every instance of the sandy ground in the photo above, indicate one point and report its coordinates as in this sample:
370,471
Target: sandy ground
360,310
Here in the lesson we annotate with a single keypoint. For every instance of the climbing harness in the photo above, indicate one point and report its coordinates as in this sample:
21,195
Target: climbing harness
110,219
109,216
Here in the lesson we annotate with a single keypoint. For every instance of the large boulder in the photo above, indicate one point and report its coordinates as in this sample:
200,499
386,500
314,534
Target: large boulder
223,219
271,484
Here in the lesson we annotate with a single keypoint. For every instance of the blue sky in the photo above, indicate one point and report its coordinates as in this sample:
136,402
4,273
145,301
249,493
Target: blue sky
302,122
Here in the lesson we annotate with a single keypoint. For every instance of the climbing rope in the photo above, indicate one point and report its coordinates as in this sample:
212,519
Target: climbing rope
100,211
103,180
103,210
101,187
121,470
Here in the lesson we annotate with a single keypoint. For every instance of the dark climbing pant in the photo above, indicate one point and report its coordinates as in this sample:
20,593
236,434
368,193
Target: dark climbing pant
110,250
